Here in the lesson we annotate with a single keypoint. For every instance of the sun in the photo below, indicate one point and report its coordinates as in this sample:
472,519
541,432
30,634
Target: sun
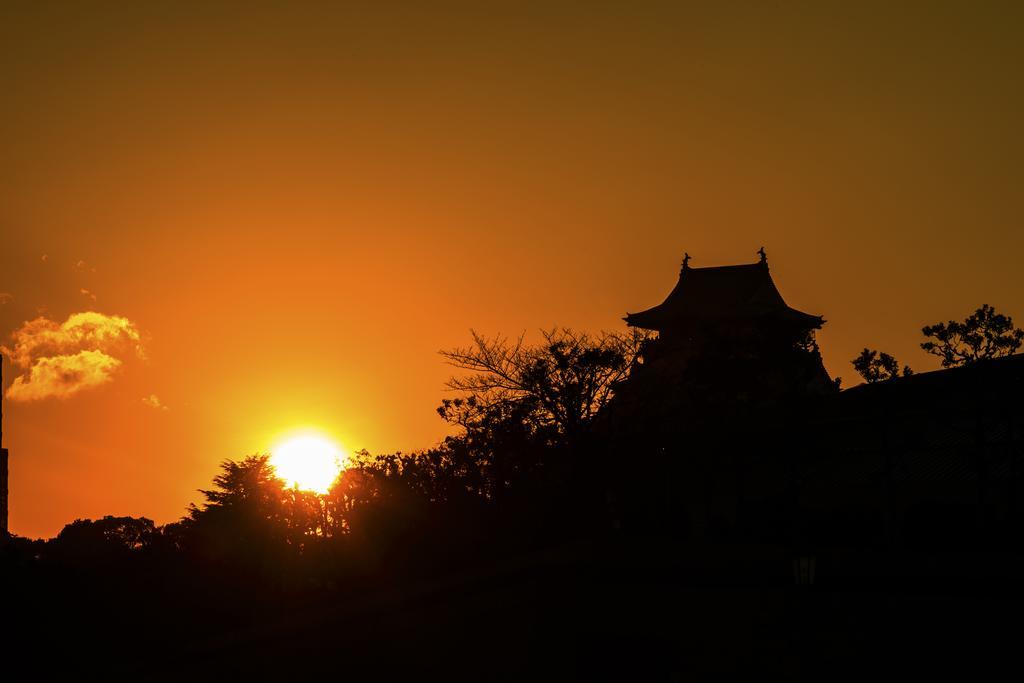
308,461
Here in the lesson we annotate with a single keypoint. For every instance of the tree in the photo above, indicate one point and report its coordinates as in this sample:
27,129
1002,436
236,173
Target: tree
554,388
130,533
251,482
878,366
985,334
107,539
245,514
527,413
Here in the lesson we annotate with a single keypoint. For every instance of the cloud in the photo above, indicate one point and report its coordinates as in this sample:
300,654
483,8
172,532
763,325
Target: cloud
153,401
63,376
86,292
61,359
6,298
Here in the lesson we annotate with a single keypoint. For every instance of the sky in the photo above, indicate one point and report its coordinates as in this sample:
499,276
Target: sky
265,216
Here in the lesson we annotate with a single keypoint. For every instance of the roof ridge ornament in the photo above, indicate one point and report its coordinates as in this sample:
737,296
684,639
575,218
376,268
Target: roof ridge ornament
686,261
764,256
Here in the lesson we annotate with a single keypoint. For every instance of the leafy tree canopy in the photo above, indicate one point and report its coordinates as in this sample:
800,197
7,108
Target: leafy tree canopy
125,533
983,335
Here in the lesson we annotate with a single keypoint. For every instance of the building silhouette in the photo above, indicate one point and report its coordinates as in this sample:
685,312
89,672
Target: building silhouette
727,345
4,531
755,443
933,461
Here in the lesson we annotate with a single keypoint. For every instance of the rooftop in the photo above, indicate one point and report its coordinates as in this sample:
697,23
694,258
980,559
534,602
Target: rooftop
722,292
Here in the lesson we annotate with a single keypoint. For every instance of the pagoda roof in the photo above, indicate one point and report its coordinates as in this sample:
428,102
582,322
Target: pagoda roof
721,293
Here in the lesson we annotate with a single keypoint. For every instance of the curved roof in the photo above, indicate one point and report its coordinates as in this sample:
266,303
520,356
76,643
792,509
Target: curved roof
722,292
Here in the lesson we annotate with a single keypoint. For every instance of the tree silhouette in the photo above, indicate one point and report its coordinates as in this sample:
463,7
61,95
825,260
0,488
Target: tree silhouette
983,335
131,533
252,481
244,516
527,413
553,388
105,540
878,366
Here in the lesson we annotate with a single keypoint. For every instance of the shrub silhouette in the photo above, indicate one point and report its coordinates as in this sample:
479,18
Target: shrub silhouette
878,366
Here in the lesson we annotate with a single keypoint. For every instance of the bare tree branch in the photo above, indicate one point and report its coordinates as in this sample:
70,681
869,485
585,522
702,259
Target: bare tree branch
560,383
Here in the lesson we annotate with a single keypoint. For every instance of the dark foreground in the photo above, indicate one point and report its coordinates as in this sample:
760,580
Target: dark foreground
608,611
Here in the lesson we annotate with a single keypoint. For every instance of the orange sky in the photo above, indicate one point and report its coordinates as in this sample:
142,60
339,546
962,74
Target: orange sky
297,208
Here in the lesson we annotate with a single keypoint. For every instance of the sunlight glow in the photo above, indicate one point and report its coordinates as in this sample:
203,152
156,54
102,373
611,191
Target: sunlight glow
308,461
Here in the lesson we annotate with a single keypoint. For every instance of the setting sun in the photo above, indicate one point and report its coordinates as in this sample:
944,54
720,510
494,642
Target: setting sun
308,461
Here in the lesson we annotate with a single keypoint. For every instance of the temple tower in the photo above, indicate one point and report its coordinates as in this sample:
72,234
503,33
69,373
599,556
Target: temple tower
726,342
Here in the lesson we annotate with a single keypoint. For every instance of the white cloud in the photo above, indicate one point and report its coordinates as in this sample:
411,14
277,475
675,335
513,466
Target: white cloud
63,376
60,359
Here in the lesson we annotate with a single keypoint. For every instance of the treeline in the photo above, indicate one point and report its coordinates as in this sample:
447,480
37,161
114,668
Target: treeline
529,467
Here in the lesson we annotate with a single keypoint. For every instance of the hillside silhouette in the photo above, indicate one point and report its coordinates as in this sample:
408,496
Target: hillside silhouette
691,498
